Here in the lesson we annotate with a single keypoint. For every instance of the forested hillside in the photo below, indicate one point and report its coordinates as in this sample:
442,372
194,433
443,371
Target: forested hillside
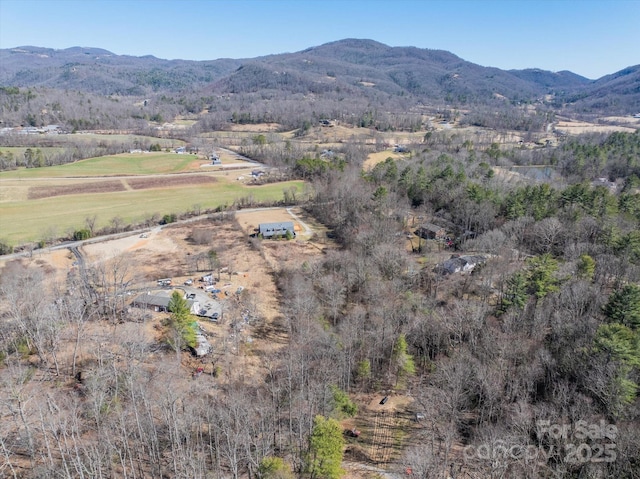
342,79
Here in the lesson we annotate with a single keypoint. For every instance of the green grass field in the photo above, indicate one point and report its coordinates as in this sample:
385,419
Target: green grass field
23,220
32,220
124,164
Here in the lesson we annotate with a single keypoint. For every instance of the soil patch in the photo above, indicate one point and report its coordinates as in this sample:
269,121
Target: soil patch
385,423
112,186
169,181
38,192
257,128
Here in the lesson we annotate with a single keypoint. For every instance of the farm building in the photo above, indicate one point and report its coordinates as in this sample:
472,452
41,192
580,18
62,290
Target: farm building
431,231
268,230
160,303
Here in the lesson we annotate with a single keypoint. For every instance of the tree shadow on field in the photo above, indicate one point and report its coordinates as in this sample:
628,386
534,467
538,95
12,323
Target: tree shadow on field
275,330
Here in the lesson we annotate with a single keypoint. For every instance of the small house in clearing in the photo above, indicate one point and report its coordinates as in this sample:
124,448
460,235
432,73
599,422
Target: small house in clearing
160,303
460,264
431,231
269,230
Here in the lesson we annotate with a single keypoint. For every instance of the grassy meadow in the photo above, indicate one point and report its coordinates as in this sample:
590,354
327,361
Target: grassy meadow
31,220
125,164
23,219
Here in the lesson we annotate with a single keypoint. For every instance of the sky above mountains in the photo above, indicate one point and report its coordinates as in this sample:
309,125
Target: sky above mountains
588,37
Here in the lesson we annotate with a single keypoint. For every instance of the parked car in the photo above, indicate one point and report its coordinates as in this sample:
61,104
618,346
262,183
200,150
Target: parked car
188,282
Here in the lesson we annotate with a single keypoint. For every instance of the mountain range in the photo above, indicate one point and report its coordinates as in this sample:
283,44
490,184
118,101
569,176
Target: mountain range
350,67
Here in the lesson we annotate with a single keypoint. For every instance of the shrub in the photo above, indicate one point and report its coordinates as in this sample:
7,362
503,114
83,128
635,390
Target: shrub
342,404
82,234
5,247
201,236
169,218
274,468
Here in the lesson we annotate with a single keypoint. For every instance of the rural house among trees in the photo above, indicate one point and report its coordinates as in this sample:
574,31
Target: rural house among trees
157,302
431,231
269,230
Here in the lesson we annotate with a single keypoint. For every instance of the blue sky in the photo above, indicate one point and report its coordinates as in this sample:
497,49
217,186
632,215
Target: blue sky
588,37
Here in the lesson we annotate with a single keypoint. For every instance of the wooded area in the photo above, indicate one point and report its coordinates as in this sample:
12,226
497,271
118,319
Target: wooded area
546,329
525,365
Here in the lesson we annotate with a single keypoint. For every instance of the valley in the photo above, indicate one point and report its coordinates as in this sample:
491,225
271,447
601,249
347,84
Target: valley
398,263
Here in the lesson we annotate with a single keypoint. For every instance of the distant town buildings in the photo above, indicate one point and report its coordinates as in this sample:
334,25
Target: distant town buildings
33,130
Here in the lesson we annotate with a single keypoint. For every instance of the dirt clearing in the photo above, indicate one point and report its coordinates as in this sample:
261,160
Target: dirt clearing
250,219
38,192
374,158
112,186
169,181
250,328
580,127
257,128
